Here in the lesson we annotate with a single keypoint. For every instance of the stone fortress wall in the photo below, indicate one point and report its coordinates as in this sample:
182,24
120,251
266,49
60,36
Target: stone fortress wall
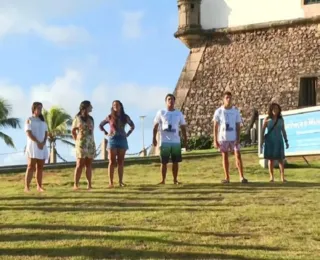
258,63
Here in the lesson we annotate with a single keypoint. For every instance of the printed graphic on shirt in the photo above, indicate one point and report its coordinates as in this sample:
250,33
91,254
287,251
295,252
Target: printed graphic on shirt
227,120
228,126
169,125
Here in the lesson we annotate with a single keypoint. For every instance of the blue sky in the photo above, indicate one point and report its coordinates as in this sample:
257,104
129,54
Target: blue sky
61,52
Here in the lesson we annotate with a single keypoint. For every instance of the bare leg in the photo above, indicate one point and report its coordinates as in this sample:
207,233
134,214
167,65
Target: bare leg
163,168
29,173
271,167
88,163
225,164
112,163
281,167
239,164
175,170
120,160
77,172
39,174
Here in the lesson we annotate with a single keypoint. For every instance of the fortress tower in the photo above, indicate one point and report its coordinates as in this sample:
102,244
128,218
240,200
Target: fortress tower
189,30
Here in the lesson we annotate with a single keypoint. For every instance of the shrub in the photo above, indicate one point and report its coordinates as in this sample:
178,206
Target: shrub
243,137
204,142
200,142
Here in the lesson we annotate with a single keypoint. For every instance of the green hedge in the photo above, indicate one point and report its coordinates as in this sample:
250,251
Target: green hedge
204,142
199,142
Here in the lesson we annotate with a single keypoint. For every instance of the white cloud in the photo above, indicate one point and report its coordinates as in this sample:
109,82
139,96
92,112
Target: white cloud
66,91
132,27
33,16
51,8
133,96
15,96
70,89
14,159
62,35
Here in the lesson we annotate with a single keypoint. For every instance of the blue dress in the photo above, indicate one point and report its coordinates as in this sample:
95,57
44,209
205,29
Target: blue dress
274,144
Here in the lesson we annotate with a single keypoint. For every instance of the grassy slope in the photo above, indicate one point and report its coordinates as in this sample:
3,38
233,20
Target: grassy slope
199,219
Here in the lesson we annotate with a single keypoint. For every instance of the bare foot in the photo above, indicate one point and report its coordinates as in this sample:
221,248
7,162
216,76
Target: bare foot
284,180
177,183
26,189
162,183
39,189
75,187
122,184
89,187
110,186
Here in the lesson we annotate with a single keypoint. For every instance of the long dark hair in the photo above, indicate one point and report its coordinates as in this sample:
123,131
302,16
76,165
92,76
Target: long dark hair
34,107
271,106
115,116
84,105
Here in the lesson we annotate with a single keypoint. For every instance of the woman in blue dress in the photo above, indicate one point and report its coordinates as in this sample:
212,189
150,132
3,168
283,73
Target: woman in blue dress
274,139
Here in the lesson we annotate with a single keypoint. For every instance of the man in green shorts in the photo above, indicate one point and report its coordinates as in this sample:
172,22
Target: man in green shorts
168,122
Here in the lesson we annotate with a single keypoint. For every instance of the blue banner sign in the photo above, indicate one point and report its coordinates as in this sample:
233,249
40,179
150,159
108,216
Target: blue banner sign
303,131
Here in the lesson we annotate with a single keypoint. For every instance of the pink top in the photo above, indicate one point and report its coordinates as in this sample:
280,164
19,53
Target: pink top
117,127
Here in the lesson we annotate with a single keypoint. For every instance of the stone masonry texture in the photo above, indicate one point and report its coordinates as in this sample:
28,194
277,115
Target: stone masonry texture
257,66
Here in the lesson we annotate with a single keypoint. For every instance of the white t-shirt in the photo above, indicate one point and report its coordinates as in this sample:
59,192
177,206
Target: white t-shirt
38,129
169,124
227,120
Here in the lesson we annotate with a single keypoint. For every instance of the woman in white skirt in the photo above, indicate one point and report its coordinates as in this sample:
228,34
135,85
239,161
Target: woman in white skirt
36,150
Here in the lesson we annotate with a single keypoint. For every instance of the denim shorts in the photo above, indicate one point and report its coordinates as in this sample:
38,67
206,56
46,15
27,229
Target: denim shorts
118,142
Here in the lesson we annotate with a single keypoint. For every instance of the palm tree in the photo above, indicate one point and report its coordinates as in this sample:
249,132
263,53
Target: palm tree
59,123
6,121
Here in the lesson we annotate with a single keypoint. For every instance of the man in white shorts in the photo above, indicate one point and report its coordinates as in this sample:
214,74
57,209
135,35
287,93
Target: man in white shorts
226,127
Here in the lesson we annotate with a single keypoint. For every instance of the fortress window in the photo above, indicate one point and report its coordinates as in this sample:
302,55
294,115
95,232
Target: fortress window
308,94
309,2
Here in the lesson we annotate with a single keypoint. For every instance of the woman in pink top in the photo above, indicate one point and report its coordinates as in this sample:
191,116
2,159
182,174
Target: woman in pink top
117,144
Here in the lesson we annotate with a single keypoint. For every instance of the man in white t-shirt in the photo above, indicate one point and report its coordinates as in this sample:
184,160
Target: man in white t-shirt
226,127
168,122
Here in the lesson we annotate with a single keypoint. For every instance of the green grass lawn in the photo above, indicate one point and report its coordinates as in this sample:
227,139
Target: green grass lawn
201,219
214,150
